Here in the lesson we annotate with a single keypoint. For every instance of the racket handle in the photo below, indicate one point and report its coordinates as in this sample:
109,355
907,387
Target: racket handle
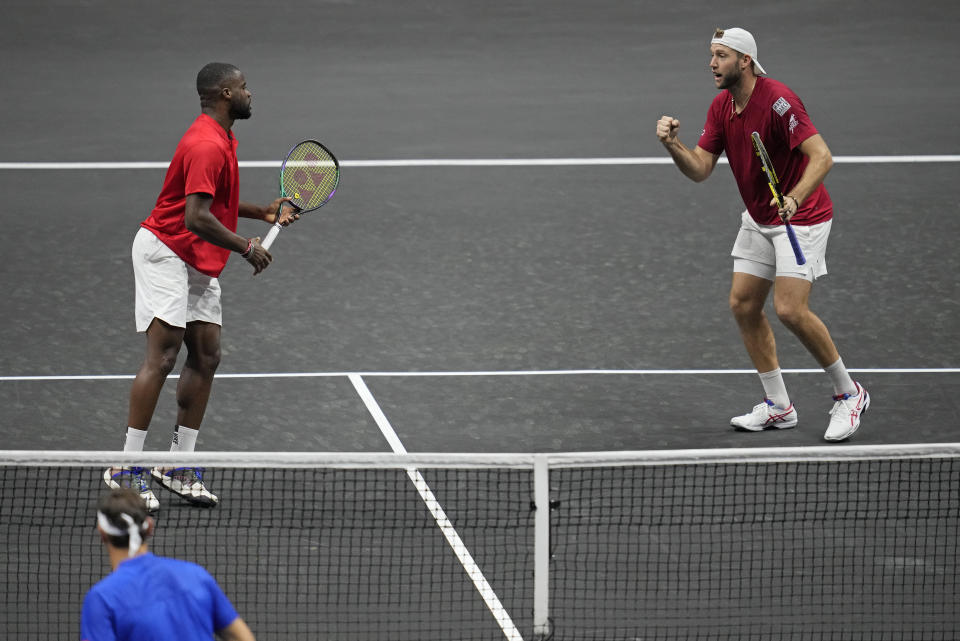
801,259
272,235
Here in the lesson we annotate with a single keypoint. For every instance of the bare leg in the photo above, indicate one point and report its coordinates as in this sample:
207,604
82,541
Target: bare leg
748,294
791,302
163,345
196,380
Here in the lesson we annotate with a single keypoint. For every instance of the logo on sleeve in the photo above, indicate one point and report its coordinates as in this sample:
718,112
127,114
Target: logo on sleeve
793,122
781,106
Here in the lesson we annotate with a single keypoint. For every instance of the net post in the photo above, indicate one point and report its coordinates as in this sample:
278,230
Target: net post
541,539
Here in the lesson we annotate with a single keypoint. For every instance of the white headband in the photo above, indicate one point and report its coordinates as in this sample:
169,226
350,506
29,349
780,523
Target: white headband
132,530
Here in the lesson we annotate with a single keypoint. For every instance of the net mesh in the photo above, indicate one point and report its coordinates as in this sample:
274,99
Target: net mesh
850,550
349,553
640,548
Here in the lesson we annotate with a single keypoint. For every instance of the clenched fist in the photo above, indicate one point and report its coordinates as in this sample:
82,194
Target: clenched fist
667,128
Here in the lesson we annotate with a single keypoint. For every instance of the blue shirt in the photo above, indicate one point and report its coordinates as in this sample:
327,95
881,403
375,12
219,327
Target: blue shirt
153,598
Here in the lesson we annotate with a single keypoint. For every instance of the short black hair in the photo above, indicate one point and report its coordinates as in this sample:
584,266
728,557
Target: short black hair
212,78
122,501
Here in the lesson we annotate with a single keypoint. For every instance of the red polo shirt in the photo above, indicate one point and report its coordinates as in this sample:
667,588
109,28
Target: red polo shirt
205,162
782,121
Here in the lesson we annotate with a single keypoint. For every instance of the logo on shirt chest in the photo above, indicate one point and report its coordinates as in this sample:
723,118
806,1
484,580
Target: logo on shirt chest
781,106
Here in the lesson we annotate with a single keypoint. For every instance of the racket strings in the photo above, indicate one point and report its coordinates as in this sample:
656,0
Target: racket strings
310,175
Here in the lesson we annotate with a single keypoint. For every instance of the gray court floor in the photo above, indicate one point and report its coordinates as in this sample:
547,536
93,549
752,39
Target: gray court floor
509,270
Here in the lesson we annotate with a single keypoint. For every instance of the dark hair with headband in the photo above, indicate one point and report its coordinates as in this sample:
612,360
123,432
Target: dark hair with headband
118,504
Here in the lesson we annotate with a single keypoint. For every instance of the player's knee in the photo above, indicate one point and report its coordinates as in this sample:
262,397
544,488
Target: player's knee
165,361
207,361
790,313
744,307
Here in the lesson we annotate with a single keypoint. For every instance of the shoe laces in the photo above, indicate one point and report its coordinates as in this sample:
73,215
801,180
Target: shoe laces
841,403
763,408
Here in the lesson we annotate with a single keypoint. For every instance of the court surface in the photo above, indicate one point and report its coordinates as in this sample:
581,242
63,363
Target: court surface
562,289
488,308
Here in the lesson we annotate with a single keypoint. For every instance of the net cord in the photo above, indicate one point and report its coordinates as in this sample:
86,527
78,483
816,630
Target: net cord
450,460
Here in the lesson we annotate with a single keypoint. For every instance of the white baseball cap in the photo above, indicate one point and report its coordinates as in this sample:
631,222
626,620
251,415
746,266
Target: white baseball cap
739,40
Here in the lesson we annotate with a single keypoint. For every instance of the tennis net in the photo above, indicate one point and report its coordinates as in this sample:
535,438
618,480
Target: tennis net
853,543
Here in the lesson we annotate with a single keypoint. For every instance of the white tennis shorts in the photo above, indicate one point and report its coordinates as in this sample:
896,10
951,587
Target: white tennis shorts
765,251
169,289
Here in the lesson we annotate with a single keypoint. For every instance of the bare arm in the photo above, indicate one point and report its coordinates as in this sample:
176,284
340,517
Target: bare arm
696,164
269,212
249,210
236,631
821,161
200,220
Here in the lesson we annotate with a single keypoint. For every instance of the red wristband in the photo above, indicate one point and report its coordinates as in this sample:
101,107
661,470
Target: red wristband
246,253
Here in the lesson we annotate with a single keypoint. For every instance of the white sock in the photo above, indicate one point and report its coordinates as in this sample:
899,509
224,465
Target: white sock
184,439
134,440
842,383
775,388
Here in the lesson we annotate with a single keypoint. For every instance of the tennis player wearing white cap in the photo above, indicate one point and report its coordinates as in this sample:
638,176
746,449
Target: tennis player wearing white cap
762,256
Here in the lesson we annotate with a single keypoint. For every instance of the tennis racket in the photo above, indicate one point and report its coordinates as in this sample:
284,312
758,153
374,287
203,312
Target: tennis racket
774,183
309,177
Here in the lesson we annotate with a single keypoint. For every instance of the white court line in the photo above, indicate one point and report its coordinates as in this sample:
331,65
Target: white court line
449,532
472,162
556,372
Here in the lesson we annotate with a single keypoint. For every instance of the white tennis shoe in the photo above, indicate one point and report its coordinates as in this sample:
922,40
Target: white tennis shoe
845,415
132,477
187,483
766,416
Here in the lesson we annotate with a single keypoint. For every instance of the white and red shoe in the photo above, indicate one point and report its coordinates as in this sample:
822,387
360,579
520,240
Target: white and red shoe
845,415
766,416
